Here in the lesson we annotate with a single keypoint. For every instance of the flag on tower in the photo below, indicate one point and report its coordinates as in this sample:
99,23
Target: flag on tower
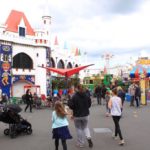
65,45
76,52
79,52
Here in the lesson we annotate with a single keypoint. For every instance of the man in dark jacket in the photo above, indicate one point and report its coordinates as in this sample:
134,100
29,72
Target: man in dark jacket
98,92
80,104
137,95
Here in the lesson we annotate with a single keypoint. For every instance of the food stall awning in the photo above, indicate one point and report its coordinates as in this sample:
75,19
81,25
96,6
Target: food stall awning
137,71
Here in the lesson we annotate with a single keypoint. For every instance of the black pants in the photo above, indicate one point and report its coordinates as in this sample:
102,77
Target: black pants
63,144
117,126
98,99
28,105
137,99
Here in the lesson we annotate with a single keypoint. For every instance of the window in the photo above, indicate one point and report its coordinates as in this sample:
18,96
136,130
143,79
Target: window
21,31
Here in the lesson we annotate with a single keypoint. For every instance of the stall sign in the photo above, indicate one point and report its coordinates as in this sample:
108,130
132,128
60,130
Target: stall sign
143,61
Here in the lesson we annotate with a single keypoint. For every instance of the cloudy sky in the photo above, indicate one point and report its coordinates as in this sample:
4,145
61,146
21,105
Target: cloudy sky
119,27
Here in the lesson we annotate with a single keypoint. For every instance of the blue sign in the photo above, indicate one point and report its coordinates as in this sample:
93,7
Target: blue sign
29,78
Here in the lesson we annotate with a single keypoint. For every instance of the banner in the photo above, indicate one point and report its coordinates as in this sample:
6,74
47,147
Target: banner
5,69
29,78
48,74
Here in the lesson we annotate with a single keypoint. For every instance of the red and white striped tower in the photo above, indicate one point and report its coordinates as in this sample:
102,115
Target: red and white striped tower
107,56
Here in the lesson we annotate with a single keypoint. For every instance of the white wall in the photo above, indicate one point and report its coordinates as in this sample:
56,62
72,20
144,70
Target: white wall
18,89
39,73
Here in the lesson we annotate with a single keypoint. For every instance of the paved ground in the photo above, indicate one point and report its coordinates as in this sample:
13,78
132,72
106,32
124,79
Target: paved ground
135,126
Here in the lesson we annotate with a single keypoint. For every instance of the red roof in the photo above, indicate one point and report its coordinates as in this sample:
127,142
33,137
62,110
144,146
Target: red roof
13,21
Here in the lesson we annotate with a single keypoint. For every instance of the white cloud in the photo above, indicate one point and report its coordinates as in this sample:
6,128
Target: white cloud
83,25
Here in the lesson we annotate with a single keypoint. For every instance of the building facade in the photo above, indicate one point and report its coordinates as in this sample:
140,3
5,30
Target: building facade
23,49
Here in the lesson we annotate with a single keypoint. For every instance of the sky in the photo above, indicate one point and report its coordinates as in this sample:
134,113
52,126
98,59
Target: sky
97,27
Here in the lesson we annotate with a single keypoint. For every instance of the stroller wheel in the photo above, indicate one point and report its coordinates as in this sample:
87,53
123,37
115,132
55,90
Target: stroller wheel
29,131
13,135
6,131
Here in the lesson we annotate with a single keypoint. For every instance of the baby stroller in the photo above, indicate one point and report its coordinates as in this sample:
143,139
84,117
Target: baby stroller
17,124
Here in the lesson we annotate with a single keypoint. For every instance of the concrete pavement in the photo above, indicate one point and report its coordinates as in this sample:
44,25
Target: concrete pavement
135,126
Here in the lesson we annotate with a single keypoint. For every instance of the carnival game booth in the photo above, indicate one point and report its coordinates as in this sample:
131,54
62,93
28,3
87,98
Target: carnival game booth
34,89
141,75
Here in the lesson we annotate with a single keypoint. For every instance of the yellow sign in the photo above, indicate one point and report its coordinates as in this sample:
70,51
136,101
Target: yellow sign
143,61
143,96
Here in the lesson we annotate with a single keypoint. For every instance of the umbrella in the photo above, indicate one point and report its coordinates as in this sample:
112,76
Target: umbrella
14,107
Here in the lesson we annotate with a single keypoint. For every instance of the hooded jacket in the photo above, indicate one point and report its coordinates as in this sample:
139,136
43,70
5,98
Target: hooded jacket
80,104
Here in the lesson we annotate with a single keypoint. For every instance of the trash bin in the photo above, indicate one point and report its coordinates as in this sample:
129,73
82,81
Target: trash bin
128,97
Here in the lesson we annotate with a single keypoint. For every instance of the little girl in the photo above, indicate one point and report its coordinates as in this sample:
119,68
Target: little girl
107,98
60,125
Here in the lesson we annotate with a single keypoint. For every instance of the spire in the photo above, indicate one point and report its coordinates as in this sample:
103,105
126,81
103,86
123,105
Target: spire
46,9
65,45
76,52
56,41
79,53
73,50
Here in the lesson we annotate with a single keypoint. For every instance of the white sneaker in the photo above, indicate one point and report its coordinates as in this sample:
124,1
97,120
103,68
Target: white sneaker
121,142
114,137
80,145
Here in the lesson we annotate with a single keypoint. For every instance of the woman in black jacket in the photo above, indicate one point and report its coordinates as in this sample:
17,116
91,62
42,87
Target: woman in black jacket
28,98
80,104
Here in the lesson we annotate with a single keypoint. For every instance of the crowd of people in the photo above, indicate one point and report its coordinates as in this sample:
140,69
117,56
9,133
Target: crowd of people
79,104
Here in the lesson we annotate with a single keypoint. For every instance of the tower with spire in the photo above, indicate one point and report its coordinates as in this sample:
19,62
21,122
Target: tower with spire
46,22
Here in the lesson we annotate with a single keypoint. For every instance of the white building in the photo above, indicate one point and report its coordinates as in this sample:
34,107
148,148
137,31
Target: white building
22,50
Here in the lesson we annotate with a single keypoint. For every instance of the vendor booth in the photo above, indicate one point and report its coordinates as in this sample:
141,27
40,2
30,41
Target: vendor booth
33,88
141,75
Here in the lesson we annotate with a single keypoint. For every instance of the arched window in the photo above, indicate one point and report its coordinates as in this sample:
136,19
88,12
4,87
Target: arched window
52,63
22,61
60,64
69,65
